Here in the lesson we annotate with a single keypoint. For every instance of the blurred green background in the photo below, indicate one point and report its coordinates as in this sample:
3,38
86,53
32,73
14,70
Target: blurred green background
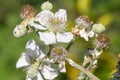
105,11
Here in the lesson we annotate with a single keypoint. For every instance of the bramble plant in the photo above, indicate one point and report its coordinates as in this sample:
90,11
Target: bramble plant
51,28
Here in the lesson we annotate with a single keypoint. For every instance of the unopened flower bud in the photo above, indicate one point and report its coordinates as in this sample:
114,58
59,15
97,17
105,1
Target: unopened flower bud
98,28
27,11
83,22
102,42
47,6
19,31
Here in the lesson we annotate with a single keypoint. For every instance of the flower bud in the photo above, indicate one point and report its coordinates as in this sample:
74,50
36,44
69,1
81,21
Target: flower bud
98,28
19,31
47,6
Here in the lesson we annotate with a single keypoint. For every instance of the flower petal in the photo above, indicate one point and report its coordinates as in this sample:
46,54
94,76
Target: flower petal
61,15
83,34
49,73
91,34
44,17
47,37
37,26
38,77
64,37
32,49
62,66
28,78
23,61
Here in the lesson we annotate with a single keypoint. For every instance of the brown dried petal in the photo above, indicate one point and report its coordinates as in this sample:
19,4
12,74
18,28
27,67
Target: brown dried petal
27,11
75,31
102,41
59,54
83,22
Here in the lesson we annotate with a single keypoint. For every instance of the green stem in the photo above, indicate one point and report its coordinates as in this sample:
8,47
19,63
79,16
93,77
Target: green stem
88,73
50,46
69,45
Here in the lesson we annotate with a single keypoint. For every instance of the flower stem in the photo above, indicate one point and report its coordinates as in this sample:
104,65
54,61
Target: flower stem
88,73
69,45
50,46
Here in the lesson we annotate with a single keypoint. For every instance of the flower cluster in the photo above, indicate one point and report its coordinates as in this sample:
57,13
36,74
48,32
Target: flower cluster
86,29
50,26
51,29
36,65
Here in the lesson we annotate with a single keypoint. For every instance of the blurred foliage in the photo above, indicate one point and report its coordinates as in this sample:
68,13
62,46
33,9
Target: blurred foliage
104,11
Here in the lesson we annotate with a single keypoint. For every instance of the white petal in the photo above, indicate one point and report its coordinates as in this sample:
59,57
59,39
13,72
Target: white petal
32,48
47,37
28,78
45,17
83,34
23,61
62,67
42,54
31,44
39,77
61,15
91,34
64,37
37,26
49,73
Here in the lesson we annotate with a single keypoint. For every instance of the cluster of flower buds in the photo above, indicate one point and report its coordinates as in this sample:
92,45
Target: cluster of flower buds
51,28
86,29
